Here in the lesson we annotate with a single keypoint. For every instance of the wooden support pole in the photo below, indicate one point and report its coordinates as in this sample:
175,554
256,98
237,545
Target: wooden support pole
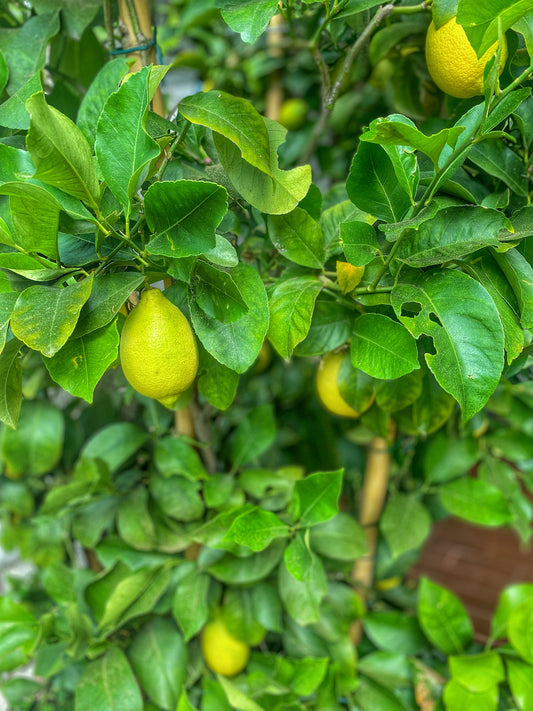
274,94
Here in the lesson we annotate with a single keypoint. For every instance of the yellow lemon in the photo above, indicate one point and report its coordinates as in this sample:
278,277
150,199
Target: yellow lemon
158,351
293,113
453,64
223,652
328,390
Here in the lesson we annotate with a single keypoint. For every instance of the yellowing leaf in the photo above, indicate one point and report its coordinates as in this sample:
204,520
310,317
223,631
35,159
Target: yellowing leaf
348,276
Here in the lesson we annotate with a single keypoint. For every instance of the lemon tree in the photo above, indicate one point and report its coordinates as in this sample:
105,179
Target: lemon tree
245,363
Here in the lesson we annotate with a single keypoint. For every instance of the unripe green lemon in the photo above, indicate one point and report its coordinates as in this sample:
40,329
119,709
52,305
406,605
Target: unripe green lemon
328,390
158,351
223,652
293,114
452,62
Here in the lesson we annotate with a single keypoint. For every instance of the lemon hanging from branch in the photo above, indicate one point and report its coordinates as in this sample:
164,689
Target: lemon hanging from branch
158,351
223,652
452,62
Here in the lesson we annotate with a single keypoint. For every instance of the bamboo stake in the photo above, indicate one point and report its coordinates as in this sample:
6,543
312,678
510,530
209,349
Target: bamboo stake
274,94
373,496
136,29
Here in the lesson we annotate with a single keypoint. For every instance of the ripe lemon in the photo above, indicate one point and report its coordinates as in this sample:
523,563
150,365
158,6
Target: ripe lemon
158,352
328,390
453,64
223,653
293,113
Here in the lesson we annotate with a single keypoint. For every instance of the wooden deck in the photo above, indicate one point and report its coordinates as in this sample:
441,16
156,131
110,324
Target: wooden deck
475,564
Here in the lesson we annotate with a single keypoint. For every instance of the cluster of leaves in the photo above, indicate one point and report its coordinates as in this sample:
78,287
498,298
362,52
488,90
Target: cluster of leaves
416,263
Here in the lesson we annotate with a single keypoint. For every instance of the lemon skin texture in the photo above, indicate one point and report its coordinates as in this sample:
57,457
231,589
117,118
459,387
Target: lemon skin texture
452,63
328,390
293,114
223,653
158,351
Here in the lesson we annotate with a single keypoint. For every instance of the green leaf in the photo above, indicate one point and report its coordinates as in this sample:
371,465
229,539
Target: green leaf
393,132
331,326
246,571
316,496
223,253
519,630
520,678
82,361
497,159
236,697
451,234
234,118
44,317
216,382
249,18
11,383
394,632
476,501
18,634
369,695
443,618
236,344
457,697
373,186
254,435
359,242
108,293
216,293
104,83
174,456
135,523
190,602
383,348
35,447
477,672
447,458
159,659
291,310
302,599
298,237
35,216
108,684
7,302
481,23
256,529
123,147
339,538
177,497
60,152
393,395
26,54
13,112
114,444
184,214
275,191
405,523
355,386
520,276
299,558
511,598
469,344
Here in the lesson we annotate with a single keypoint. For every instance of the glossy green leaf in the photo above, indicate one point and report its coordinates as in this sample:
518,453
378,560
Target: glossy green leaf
249,18
393,395
299,558
383,348
331,326
394,632
452,233
405,523
373,186
11,383
497,159
35,216
105,83
316,496
159,659
256,529
108,684
26,54
476,501
520,678
511,597
519,630
447,458
359,242
44,317
7,302
13,112
135,523
246,571
443,618
114,444
82,361
457,698
519,273
108,294
469,344
254,435
18,634
482,23
216,293
177,497
216,382
190,602
298,237
183,215
236,344
302,599
236,697
174,456
273,191
477,672
123,147
339,538
291,310
371,695
60,152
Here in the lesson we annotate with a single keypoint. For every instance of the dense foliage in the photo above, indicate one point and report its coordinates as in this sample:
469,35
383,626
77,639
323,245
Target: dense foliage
391,224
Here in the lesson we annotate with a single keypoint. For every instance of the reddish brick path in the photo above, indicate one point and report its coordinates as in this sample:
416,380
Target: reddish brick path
476,564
